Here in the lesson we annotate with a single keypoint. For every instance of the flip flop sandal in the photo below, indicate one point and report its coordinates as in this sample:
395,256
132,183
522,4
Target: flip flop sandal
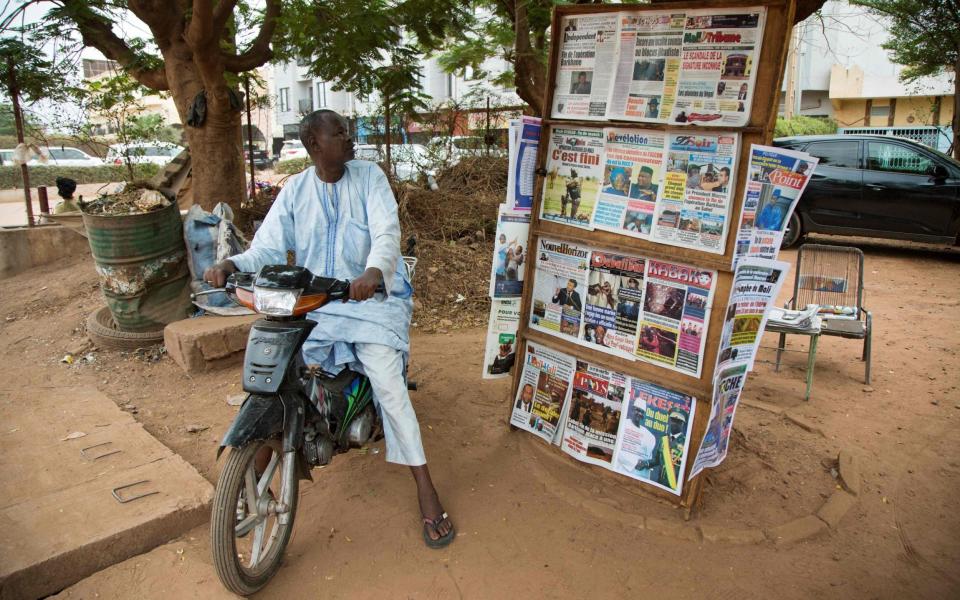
442,541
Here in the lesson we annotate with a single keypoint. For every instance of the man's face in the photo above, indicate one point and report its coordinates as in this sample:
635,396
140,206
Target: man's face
724,177
570,286
331,141
644,179
527,395
582,78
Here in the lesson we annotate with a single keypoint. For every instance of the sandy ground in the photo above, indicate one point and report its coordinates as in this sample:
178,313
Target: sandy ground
534,523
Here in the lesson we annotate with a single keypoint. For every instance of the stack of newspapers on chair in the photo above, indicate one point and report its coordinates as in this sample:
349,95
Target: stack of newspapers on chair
806,320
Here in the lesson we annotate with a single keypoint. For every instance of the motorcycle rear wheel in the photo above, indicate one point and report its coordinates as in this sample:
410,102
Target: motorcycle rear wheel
247,543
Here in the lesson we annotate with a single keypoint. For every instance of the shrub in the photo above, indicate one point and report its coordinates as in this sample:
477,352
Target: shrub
804,126
47,176
292,166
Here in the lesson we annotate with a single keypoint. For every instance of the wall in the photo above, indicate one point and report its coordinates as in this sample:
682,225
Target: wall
850,112
23,248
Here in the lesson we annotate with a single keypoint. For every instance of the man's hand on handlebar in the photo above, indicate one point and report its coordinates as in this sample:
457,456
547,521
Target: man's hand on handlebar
365,286
217,274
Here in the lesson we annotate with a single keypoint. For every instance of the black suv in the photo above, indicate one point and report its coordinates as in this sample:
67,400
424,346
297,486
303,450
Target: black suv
876,186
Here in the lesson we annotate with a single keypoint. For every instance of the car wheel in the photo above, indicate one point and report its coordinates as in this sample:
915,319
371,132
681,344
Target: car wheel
794,231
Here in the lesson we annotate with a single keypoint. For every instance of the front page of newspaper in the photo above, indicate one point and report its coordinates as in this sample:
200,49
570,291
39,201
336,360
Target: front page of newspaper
648,66
631,177
718,68
574,173
509,253
559,283
501,350
523,163
676,308
593,414
726,396
587,49
756,284
653,441
544,388
693,206
776,179
614,297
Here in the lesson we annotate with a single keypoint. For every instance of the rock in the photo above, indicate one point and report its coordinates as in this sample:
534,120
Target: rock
797,530
836,507
849,471
236,399
867,388
196,428
206,342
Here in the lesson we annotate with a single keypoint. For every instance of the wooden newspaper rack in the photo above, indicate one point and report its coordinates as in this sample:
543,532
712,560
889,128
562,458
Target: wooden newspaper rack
759,130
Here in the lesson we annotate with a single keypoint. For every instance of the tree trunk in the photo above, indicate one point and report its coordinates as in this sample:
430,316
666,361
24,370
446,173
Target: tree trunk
18,121
216,148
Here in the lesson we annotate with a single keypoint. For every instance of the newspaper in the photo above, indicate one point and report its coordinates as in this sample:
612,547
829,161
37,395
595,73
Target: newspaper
631,177
593,414
694,202
524,141
509,253
558,286
775,180
652,444
614,298
500,354
756,284
648,66
718,67
543,391
574,173
673,324
726,396
588,46
687,67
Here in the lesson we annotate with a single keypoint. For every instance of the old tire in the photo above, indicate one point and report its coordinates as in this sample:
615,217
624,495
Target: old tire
103,332
793,232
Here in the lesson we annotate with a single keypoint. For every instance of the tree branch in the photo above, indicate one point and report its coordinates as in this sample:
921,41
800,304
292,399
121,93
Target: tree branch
530,74
200,32
222,13
97,32
259,51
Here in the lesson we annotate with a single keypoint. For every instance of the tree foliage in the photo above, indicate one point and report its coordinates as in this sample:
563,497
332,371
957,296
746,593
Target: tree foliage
924,38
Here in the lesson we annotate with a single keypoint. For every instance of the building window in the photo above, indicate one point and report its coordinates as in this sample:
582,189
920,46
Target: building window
879,111
283,99
322,94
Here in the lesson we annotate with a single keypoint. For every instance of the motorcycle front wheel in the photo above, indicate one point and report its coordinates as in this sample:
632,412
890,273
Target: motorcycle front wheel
247,538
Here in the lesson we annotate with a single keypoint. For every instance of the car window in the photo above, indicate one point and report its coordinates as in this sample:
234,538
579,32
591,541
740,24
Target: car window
836,154
884,156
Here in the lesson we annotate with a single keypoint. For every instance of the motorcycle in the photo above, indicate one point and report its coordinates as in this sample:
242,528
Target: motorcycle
294,418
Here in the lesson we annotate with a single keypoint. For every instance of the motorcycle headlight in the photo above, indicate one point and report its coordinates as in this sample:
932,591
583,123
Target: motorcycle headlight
275,302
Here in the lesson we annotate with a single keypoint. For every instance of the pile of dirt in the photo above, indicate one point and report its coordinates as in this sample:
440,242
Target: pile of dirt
454,227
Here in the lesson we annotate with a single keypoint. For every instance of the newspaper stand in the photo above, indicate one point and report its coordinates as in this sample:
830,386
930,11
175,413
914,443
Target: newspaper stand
758,130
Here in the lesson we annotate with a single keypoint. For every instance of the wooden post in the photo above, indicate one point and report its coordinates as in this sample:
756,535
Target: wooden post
253,181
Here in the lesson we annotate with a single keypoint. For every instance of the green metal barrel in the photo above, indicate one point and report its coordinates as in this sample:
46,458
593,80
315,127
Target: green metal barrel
142,263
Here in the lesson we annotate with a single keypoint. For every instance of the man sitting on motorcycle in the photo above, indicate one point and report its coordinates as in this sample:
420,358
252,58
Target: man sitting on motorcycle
339,219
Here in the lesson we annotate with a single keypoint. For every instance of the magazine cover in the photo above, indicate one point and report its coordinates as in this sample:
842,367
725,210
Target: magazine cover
726,396
559,285
509,254
593,414
653,440
588,48
501,350
544,388
574,174
615,287
676,307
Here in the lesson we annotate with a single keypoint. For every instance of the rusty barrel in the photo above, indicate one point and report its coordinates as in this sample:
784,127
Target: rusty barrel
142,263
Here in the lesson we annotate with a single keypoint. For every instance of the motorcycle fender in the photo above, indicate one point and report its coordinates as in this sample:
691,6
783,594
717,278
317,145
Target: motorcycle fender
259,418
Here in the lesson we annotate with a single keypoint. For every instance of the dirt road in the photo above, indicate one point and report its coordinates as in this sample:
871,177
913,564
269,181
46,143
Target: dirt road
535,524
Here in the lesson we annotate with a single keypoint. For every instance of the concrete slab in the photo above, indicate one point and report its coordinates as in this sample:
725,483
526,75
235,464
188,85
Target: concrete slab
60,521
27,247
207,342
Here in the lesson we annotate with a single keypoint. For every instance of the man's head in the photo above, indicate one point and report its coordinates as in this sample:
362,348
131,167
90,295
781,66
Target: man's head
527,393
571,284
724,175
693,170
678,422
645,176
582,77
326,136
503,238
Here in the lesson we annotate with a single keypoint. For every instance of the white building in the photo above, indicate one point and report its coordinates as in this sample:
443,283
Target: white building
297,93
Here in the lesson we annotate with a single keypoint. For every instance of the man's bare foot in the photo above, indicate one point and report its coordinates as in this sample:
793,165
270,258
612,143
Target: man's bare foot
438,525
